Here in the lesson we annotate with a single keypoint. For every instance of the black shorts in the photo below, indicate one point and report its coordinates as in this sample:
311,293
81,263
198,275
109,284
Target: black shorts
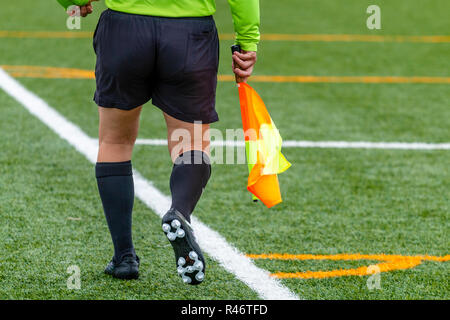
172,61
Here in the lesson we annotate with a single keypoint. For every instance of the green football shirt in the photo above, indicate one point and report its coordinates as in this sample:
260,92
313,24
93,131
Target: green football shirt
245,13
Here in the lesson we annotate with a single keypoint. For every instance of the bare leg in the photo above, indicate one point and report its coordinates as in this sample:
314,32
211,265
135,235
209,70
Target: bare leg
185,136
118,131
117,134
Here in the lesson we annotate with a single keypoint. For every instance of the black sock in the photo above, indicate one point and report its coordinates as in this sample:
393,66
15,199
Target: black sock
190,174
116,188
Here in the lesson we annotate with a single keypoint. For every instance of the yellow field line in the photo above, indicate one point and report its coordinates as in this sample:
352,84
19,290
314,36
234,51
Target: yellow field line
46,34
344,38
344,256
361,271
342,79
354,38
391,263
264,37
69,73
48,72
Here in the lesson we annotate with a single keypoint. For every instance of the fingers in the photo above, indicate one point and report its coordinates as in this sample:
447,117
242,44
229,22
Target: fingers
89,8
246,55
243,64
85,10
244,60
243,73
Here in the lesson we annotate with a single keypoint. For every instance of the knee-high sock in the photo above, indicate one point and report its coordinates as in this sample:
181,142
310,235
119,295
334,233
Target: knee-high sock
116,188
190,174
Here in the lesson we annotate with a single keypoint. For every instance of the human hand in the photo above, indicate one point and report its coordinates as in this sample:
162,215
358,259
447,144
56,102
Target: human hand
83,10
243,64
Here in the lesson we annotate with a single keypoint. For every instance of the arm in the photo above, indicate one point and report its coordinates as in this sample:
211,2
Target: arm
68,3
246,25
65,3
85,6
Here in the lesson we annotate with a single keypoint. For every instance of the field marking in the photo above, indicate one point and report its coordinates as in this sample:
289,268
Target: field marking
71,73
390,263
342,79
48,72
322,144
229,257
56,72
264,37
46,34
347,38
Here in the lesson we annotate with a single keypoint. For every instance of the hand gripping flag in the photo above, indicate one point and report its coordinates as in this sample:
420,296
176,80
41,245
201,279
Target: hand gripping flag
262,146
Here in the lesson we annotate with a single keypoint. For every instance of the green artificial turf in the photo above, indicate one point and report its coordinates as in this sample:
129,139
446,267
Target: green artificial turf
335,200
45,185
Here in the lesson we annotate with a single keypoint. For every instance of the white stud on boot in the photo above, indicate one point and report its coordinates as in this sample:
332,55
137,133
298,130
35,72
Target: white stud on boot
186,279
200,276
166,228
198,265
179,232
171,236
176,224
181,261
193,255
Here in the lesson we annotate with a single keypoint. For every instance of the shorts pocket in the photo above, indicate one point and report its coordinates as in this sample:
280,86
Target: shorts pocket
95,38
202,52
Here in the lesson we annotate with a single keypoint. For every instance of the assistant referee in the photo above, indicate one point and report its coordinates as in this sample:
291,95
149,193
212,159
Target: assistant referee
166,51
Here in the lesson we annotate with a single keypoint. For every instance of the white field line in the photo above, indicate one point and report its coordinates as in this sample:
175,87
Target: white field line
229,257
323,144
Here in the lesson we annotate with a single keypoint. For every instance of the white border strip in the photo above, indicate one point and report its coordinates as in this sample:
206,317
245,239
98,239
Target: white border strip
211,242
324,144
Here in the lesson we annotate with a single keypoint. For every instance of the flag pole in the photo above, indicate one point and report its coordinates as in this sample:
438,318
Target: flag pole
236,48
238,79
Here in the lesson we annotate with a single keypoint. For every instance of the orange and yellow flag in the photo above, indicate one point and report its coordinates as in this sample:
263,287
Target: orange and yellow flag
263,147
